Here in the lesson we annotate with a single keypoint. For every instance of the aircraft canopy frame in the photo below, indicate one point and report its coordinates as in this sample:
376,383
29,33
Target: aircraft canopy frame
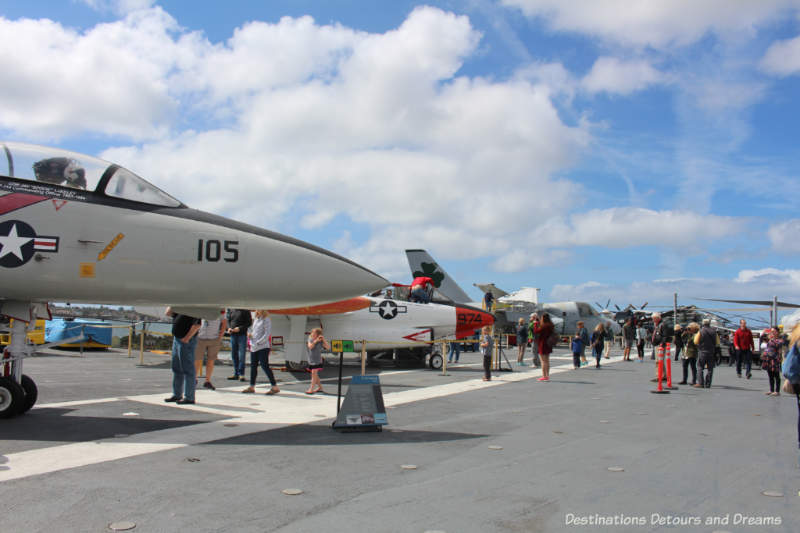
75,171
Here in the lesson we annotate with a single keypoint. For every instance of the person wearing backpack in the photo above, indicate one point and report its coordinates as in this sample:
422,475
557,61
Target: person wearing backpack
791,373
545,331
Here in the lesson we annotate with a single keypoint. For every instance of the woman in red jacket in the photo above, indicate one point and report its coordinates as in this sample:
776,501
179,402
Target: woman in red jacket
544,329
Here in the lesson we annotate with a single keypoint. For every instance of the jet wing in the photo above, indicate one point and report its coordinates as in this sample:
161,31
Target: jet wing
489,287
767,303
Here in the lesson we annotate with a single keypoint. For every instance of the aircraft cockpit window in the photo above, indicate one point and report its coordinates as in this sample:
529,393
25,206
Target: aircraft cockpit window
125,184
401,293
585,310
52,166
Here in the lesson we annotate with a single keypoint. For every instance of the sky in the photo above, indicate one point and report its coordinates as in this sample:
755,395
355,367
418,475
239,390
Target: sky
615,150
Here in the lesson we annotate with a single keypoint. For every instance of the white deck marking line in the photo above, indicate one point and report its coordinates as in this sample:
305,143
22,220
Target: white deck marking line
273,412
231,388
77,402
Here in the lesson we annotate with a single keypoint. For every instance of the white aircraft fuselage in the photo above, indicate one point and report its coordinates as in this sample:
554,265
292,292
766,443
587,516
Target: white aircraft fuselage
378,324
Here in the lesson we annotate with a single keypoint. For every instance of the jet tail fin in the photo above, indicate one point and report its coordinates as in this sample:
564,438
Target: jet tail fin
422,264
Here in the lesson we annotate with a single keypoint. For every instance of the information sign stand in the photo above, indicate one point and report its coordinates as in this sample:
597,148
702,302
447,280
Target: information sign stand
362,409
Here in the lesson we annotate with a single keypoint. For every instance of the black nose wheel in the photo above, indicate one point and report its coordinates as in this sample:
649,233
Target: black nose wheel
12,398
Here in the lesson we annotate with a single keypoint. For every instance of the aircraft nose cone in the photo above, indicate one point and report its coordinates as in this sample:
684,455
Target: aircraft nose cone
469,319
334,277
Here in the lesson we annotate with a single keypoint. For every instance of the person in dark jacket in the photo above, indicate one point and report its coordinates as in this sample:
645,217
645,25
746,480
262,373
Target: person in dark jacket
707,341
628,338
678,341
662,335
239,320
598,339
583,333
577,345
184,340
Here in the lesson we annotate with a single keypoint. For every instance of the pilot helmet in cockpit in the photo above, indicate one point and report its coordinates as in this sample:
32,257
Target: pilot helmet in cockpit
60,171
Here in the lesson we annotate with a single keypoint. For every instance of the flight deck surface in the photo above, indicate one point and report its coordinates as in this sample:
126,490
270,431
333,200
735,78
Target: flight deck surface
514,454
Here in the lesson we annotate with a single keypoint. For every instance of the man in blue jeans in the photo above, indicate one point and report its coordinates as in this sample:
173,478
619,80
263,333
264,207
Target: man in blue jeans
184,340
239,320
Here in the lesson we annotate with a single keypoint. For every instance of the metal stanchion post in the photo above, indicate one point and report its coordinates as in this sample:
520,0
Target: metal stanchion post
130,340
363,357
339,388
83,334
141,343
444,359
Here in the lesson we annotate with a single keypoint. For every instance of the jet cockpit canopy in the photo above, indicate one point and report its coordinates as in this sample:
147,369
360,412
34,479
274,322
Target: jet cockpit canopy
78,171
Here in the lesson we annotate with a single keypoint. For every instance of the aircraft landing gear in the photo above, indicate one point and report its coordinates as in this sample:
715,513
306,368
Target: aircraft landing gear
18,392
436,361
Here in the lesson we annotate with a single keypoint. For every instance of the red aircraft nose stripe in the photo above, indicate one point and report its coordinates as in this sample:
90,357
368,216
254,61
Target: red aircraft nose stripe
18,200
468,320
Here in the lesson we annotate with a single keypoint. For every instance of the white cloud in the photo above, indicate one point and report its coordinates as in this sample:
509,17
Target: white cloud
119,7
111,79
782,58
311,122
519,259
656,23
770,276
375,127
784,236
553,76
611,75
624,227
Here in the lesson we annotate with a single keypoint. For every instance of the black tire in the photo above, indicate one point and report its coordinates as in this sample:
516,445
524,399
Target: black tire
436,361
31,393
12,397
